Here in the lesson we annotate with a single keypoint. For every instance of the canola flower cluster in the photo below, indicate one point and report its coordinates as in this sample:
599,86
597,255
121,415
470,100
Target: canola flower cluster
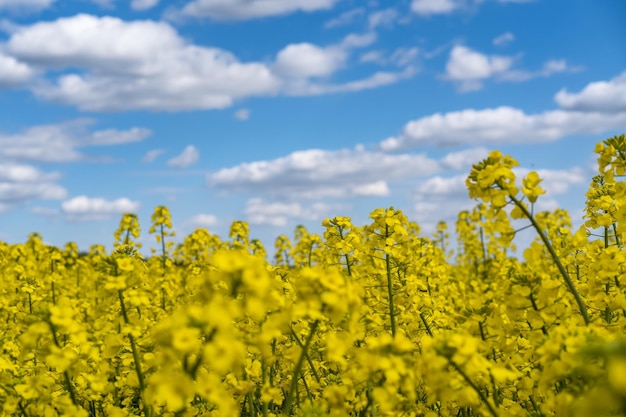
374,320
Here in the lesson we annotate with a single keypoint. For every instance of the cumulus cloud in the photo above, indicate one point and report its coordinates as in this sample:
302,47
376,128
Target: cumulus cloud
316,173
156,70
470,68
503,39
189,156
249,9
83,208
604,96
23,183
279,213
61,142
88,61
13,72
304,60
498,126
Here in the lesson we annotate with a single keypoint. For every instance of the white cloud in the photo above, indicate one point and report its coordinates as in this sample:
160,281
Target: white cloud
203,220
279,213
604,96
503,39
160,70
152,155
13,192
251,9
345,18
143,4
242,114
83,208
502,125
316,173
24,173
60,142
431,7
13,72
189,156
22,183
384,18
305,60
470,67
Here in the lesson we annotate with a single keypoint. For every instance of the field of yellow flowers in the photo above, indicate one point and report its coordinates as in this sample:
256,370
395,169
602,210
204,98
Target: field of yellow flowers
376,320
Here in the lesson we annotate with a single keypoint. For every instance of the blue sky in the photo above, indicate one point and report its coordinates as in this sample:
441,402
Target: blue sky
284,112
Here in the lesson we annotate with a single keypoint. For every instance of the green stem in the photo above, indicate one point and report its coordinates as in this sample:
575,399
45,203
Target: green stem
390,287
428,330
308,357
163,247
136,358
471,383
555,258
297,369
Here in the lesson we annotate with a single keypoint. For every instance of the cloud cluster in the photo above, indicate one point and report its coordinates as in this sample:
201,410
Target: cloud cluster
599,107
83,208
316,173
62,142
108,64
21,183
56,143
